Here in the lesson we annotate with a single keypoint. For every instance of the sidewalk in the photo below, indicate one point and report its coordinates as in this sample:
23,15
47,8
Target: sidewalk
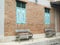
29,42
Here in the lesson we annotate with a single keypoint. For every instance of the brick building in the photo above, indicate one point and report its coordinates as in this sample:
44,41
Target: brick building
35,15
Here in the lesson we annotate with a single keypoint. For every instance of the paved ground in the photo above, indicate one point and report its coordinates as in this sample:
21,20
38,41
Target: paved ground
29,41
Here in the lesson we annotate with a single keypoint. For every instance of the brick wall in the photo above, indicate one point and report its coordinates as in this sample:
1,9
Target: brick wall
35,21
34,16
10,17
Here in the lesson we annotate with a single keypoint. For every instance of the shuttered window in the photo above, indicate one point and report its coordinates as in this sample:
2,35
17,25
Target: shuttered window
47,16
21,13
36,1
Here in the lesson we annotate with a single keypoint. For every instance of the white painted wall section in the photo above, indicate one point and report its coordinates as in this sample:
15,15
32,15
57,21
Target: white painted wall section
1,18
42,2
32,1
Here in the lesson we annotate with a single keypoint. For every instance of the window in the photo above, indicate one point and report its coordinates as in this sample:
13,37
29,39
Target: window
47,16
36,1
20,13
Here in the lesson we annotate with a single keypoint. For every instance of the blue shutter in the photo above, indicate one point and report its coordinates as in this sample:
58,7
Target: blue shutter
17,15
47,18
21,15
